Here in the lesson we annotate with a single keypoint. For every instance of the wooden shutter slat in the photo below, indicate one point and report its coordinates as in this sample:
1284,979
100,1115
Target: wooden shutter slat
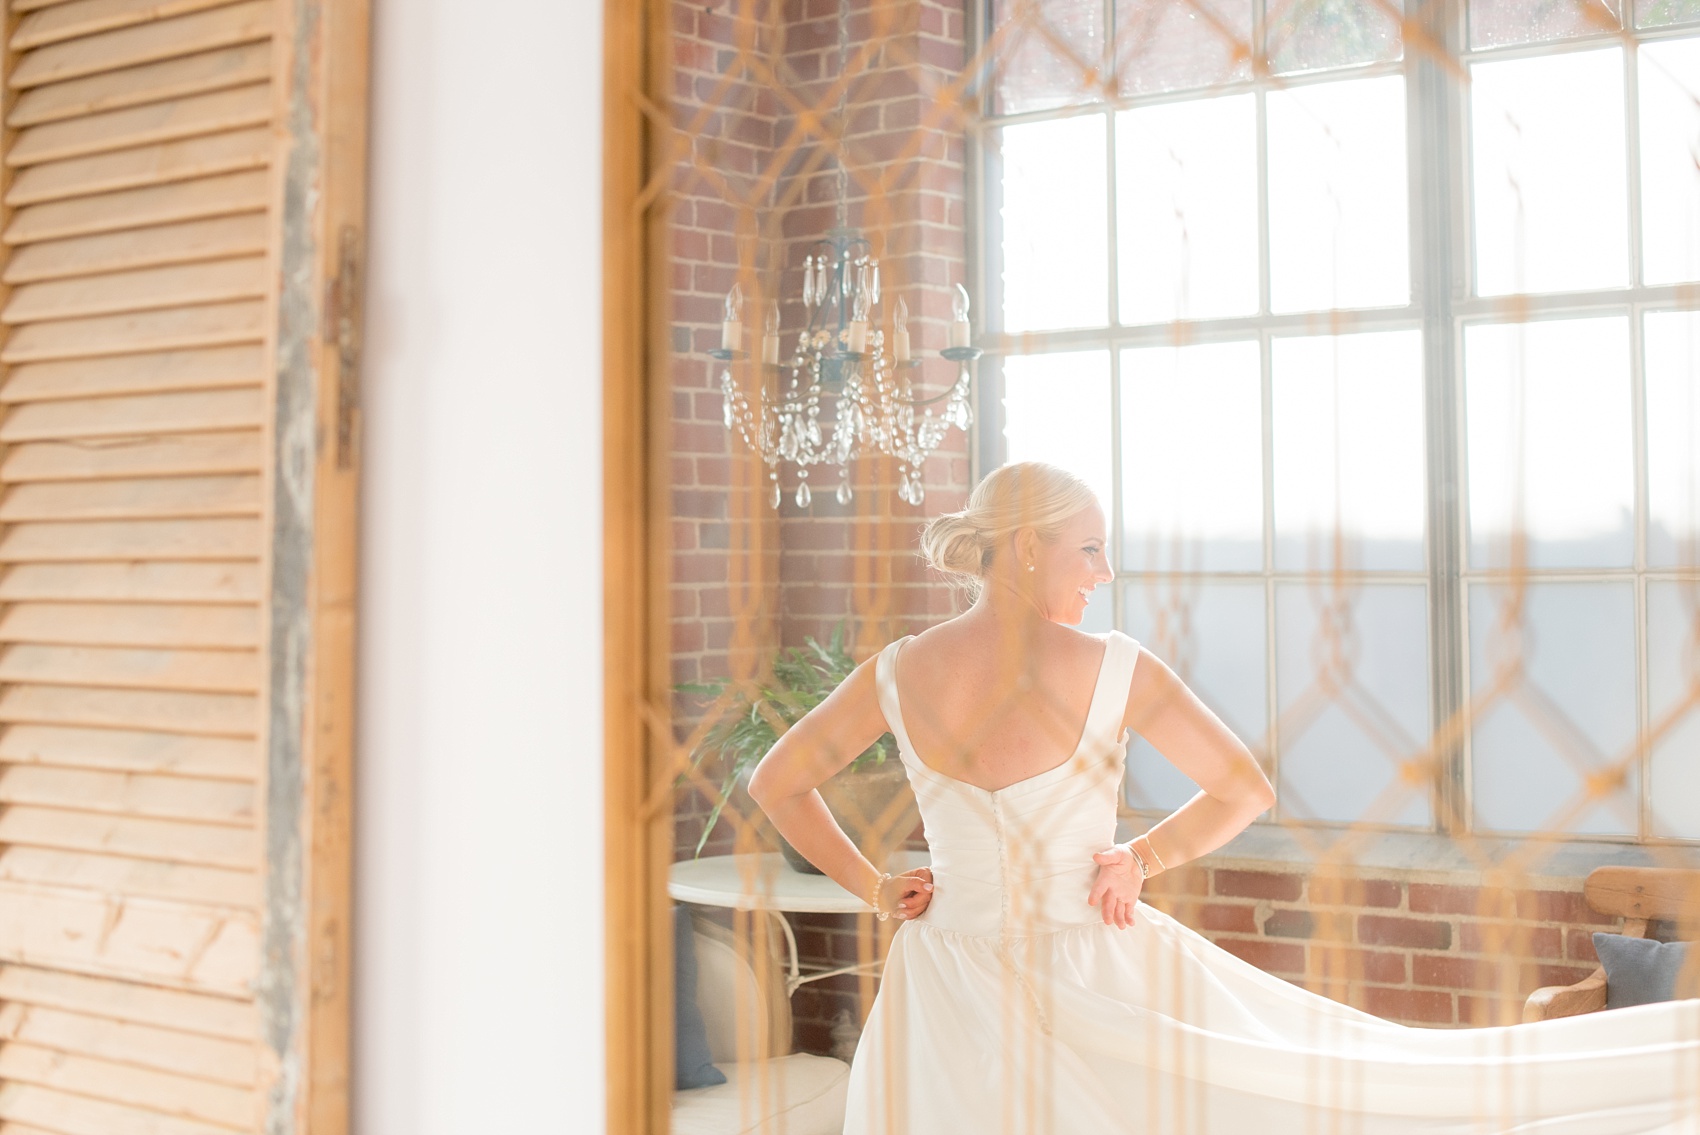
211,113
209,1058
133,583
132,86
127,751
194,1013
133,457
68,381
215,715
237,495
132,624
144,165
170,840
149,205
207,671
125,1083
240,235
86,17
138,332
218,539
138,938
112,874
141,794
208,411
174,285
60,1113
144,43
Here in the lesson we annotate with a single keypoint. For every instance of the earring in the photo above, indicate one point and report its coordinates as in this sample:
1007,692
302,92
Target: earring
1032,567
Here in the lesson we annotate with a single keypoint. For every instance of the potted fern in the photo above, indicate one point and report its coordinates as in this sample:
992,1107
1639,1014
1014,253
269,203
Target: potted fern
863,797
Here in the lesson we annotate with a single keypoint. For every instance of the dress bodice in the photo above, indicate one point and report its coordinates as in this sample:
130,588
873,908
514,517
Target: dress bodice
1018,860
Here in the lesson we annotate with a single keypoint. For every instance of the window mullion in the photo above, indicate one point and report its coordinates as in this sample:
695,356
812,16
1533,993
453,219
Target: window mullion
1434,114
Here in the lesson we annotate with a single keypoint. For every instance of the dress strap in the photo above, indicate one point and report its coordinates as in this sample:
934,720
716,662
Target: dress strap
1109,698
885,684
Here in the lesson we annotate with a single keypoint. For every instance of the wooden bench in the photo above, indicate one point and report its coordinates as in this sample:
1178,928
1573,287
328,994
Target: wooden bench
1638,895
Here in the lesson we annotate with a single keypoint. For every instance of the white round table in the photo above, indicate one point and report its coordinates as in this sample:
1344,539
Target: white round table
764,881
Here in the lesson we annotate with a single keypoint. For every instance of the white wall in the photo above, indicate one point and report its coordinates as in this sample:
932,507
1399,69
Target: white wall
478,983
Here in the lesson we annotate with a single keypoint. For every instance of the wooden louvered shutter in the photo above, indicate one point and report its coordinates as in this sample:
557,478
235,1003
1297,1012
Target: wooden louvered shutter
160,842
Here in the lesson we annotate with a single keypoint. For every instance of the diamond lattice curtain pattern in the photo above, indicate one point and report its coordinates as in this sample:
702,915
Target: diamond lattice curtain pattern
1375,331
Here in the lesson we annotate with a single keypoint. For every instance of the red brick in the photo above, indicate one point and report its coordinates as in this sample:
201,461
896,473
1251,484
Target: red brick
1579,946
1519,938
1258,885
1225,916
1337,890
1541,975
1451,972
1433,898
1290,924
1485,1011
1283,958
1384,966
1561,906
1419,933
1187,880
1425,1005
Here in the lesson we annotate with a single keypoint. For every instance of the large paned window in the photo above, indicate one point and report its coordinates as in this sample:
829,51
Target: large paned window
1385,358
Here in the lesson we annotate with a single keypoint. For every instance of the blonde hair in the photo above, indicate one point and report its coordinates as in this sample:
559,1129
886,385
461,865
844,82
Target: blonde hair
1027,494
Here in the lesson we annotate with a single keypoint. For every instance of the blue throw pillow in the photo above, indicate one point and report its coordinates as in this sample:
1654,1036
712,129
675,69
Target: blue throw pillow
693,1064
1640,971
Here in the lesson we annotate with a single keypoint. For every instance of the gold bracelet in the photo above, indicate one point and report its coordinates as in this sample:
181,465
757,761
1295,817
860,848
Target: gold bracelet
1144,867
1151,847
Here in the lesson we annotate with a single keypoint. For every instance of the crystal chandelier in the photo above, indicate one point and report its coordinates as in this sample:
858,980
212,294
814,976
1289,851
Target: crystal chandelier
841,367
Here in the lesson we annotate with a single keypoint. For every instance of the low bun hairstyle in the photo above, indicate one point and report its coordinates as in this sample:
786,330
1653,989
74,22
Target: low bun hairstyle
1027,494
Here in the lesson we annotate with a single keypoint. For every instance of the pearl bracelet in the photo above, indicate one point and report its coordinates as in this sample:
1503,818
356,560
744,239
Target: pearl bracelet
882,915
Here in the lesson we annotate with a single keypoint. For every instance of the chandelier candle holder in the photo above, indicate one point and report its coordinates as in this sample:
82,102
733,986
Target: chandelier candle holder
841,367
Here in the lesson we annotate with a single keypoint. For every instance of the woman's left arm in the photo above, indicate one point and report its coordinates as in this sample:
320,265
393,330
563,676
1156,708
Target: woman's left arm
1161,709
1234,789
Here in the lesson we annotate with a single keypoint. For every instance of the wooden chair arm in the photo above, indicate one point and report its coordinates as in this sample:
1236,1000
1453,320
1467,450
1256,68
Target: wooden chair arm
1586,996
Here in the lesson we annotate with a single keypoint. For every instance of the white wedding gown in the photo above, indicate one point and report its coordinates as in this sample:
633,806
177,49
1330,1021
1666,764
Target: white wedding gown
1009,1007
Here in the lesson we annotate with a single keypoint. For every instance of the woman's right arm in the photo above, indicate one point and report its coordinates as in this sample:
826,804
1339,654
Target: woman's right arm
787,781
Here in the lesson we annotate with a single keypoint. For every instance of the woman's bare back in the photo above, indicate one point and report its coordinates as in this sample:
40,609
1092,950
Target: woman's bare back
993,705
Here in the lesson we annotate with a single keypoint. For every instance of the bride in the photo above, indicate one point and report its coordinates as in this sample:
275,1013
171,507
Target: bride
1028,991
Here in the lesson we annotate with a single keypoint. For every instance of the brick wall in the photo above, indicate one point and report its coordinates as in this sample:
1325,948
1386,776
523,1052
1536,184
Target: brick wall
1420,952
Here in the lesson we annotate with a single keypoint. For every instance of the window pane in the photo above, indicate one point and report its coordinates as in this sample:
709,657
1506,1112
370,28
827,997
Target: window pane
1337,227
1186,187
1168,45
1570,714
1047,54
1671,347
1309,35
1494,23
1351,672
1057,409
1349,451
1659,13
1055,227
1192,458
1557,393
1212,635
1673,620
1670,183
1551,196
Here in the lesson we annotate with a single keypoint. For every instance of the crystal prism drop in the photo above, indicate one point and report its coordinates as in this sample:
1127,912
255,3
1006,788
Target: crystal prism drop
773,494
803,495
844,494
727,404
917,494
